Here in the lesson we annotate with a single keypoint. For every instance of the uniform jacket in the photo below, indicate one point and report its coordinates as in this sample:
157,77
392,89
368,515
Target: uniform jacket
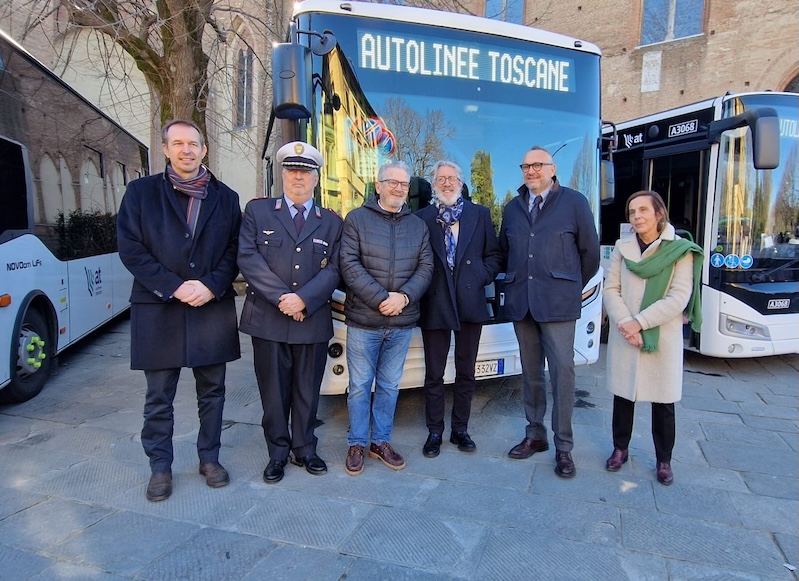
633,374
275,260
458,296
383,251
157,248
549,262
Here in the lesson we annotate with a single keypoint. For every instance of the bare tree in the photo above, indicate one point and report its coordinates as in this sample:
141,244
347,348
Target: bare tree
420,138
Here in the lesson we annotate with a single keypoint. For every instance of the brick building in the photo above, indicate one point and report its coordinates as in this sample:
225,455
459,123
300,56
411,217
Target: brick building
659,54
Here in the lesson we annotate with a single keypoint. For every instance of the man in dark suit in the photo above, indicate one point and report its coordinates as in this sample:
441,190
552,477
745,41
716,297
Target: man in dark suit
178,236
466,258
288,253
550,241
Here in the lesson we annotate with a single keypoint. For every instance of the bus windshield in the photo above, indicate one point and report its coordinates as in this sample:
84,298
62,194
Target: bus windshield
421,93
757,217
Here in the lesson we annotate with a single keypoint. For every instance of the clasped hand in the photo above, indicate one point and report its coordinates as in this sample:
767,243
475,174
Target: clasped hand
292,305
631,331
393,305
193,293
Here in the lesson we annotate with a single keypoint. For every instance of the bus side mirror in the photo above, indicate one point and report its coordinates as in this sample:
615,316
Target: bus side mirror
607,186
292,95
766,143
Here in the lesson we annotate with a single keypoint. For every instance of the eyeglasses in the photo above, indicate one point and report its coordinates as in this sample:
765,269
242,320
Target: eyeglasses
394,184
537,166
448,180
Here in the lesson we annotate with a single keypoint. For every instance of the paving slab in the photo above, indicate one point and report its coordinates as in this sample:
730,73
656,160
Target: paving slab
743,458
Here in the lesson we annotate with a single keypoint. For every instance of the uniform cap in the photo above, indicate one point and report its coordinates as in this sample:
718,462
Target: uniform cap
299,155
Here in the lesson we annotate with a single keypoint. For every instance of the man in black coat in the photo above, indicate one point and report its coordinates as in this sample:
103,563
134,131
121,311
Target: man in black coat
466,258
178,236
288,253
550,241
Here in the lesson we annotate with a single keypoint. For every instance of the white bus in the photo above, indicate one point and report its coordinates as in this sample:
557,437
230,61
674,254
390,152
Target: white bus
366,83
728,169
63,170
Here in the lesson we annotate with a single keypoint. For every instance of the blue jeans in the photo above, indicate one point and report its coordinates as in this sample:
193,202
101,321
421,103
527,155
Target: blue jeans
374,356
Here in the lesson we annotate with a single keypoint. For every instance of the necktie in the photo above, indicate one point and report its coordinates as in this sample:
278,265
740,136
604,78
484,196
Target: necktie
535,209
299,217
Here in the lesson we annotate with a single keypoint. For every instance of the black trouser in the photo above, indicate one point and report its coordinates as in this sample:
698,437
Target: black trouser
289,377
156,434
436,348
663,426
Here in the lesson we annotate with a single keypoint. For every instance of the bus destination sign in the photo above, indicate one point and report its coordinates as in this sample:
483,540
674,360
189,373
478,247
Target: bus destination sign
432,57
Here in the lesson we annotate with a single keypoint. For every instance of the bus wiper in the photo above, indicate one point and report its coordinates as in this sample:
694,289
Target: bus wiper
763,276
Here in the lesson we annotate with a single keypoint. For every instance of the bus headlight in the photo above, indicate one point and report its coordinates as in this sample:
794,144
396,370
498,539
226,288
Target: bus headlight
590,295
744,329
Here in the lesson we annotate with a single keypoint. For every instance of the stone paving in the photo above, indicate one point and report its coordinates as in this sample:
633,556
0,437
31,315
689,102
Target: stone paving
72,500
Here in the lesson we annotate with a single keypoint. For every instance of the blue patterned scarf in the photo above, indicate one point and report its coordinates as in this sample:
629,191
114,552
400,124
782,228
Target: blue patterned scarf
447,216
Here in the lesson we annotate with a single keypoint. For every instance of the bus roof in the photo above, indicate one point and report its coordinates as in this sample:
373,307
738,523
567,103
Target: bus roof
714,102
40,65
444,19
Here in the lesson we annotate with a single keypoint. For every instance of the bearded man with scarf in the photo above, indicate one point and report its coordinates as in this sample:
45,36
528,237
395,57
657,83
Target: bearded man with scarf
178,236
466,258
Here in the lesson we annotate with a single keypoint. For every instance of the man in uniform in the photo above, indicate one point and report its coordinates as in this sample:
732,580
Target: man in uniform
288,253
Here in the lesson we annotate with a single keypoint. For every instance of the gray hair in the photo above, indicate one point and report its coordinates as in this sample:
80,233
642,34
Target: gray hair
446,163
381,173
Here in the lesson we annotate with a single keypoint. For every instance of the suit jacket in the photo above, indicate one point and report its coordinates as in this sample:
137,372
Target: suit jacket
549,262
155,245
275,260
458,296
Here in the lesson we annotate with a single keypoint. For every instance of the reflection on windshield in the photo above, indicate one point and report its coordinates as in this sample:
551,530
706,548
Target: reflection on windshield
759,210
383,116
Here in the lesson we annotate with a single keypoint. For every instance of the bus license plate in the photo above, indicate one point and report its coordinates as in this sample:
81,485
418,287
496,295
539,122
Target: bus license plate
489,367
779,303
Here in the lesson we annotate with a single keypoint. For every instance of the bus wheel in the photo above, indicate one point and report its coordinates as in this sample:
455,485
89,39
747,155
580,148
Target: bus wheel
30,363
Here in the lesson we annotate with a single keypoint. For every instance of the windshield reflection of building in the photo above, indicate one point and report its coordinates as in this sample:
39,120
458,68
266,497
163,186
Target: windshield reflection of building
355,138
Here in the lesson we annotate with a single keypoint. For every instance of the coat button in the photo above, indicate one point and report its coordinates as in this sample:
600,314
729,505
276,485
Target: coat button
191,264
530,277
468,262
529,256
186,235
294,284
296,267
298,249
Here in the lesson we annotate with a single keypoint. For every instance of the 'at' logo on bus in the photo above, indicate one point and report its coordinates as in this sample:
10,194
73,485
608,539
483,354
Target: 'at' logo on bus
93,281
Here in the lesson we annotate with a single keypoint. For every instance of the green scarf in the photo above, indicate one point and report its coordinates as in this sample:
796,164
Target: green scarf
657,269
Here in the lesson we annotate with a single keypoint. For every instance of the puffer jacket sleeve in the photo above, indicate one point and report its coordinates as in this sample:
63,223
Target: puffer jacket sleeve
417,284
353,273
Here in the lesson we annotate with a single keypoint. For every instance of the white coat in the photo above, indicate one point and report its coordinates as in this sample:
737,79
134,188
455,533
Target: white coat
632,373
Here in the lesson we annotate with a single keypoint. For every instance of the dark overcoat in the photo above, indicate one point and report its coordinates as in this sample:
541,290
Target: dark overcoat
275,260
156,246
458,296
549,262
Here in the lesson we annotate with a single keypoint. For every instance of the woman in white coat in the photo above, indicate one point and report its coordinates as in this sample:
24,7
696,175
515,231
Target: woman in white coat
653,278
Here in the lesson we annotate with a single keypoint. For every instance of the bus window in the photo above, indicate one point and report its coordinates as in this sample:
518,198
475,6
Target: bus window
14,213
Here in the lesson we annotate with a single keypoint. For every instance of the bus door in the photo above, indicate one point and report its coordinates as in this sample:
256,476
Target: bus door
680,179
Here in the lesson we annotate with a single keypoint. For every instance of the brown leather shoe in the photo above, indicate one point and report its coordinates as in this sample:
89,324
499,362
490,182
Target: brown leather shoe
387,454
564,465
160,486
616,460
527,448
354,462
215,475
664,473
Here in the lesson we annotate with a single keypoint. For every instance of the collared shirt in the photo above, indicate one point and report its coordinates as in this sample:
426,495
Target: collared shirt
540,199
292,212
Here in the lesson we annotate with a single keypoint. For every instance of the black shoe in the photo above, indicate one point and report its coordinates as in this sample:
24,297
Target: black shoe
432,447
564,465
160,486
274,471
464,442
215,474
313,464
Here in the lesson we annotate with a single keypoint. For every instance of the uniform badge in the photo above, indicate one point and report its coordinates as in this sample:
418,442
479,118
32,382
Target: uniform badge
323,263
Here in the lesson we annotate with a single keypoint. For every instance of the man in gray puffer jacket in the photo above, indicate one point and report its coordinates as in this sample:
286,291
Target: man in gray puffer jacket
387,264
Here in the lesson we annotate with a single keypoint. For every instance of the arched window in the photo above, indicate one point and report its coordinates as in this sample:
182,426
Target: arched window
244,88
671,19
